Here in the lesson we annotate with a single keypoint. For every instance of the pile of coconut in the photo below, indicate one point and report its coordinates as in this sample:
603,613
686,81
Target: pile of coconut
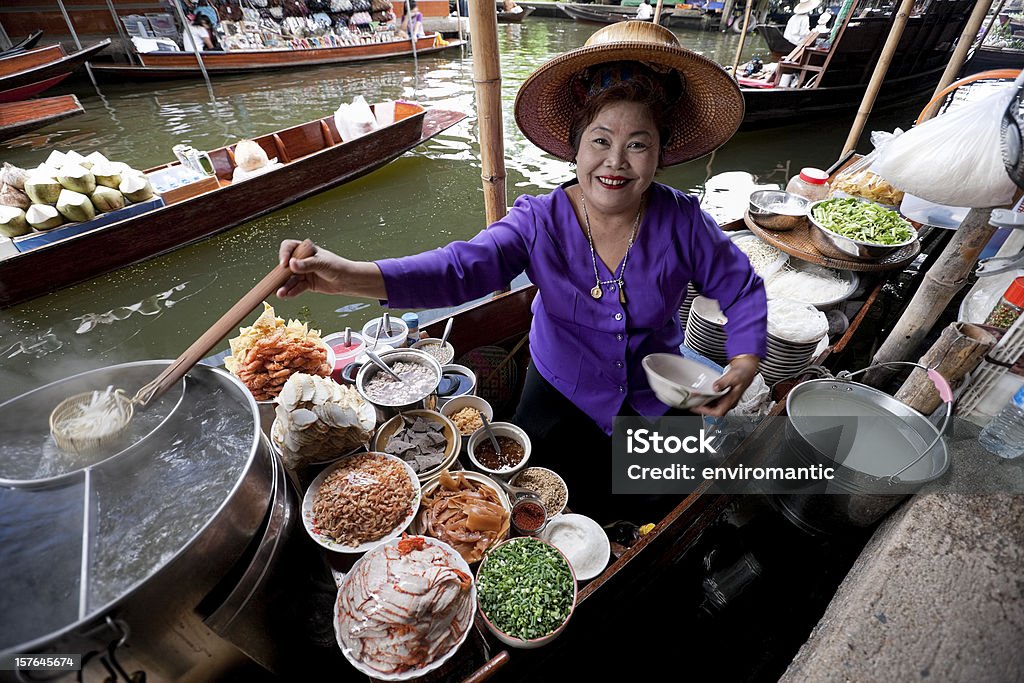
66,188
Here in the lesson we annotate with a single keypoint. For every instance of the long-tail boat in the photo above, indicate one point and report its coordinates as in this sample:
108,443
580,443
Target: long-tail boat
833,77
27,43
313,158
598,14
29,73
20,117
185,64
514,17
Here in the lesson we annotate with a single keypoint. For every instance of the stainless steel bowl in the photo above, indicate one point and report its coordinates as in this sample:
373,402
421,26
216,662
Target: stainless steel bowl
835,245
779,211
384,410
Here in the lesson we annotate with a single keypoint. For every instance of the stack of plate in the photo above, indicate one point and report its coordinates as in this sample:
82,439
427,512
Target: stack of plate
705,334
684,310
705,329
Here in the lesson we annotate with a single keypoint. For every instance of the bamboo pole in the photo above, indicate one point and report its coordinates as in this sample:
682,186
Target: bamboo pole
958,351
956,62
483,35
942,281
743,37
191,39
657,12
74,37
881,69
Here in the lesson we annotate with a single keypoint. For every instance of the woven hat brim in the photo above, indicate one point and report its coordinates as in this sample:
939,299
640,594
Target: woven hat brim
707,114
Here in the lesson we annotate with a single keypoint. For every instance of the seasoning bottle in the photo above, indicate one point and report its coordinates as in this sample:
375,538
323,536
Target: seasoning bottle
412,321
1009,307
812,183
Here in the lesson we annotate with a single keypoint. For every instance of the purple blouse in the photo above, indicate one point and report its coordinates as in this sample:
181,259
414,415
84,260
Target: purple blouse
591,349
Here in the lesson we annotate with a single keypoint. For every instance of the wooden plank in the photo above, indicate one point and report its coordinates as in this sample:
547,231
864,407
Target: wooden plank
12,64
20,117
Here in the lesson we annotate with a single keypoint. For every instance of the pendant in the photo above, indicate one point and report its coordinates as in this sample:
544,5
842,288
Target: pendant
596,292
622,295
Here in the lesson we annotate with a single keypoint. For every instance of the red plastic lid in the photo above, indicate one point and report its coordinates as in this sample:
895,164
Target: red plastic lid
1015,292
814,176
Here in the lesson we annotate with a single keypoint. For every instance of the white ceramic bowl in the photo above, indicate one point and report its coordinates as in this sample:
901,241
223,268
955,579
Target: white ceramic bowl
533,643
331,544
580,526
459,402
680,382
500,429
455,561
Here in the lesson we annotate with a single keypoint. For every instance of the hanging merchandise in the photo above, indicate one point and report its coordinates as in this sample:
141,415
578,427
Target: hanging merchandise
954,158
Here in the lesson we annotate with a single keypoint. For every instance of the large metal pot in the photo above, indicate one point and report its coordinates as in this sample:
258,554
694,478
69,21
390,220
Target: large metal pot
385,410
881,450
126,551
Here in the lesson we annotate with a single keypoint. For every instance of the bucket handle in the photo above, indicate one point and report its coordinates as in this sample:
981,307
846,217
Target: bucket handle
945,393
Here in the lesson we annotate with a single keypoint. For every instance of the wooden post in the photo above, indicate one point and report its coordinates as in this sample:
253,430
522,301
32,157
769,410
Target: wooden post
723,24
942,281
957,352
956,62
483,35
881,69
743,37
657,13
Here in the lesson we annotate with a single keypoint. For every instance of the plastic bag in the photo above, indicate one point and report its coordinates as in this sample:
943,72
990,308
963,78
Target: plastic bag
756,400
955,158
249,156
354,120
859,180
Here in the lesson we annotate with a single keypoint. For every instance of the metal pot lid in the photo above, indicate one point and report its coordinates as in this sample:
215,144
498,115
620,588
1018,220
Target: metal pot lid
77,545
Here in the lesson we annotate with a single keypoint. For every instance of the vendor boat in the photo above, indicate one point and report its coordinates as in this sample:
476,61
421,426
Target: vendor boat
26,44
514,17
29,73
313,158
21,117
185,64
821,80
597,14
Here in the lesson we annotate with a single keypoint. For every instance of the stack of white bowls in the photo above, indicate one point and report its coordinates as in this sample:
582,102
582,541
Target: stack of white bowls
705,334
797,332
684,310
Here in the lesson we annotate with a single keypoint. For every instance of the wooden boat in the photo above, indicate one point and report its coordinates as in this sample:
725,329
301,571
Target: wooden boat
989,58
597,14
20,117
27,44
833,80
29,73
314,158
514,17
185,64
542,8
777,43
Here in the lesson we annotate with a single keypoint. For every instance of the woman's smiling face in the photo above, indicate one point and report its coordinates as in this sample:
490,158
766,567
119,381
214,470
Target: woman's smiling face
618,156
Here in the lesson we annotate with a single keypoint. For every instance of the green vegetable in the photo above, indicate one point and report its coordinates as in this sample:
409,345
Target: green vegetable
525,588
862,221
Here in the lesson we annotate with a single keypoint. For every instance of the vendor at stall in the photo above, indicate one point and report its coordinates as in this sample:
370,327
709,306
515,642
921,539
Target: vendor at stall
611,251
799,26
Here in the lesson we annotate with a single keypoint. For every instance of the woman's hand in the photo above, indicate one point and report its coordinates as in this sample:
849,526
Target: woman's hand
741,373
328,273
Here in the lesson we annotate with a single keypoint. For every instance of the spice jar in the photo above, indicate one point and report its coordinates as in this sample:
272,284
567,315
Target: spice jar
812,183
1009,307
529,516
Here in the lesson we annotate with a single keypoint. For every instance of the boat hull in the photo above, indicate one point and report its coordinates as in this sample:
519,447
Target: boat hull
43,270
21,117
185,64
30,73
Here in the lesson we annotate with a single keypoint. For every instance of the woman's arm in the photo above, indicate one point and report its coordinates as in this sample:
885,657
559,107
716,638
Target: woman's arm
328,273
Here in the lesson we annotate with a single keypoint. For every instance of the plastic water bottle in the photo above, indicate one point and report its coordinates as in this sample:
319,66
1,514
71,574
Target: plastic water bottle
1004,435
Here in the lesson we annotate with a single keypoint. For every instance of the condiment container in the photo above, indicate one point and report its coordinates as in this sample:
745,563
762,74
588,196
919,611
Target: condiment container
343,354
396,337
1009,307
528,516
412,321
812,183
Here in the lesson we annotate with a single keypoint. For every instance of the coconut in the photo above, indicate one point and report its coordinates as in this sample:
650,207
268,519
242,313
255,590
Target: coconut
12,196
136,188
12,221
56,159
44,170
107,173
73,157
77,178
75,206
93,159
13,176
43,217
42,189
107,199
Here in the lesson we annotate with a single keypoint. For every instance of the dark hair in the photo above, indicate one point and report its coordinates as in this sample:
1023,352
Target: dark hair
625,91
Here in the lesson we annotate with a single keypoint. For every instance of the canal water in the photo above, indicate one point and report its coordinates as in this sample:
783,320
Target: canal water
423,200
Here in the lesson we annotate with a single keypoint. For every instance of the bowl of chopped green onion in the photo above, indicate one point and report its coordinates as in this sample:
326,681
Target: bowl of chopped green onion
851,228
526,590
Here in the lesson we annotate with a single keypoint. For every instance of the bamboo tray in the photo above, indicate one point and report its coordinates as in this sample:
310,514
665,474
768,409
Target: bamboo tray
798,243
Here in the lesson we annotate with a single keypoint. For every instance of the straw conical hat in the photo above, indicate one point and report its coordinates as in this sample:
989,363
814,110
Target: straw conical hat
806,6
706,115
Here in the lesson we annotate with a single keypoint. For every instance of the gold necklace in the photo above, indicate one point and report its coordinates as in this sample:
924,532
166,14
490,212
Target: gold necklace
619,279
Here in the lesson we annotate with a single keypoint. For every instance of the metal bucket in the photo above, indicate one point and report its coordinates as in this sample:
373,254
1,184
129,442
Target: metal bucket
881,450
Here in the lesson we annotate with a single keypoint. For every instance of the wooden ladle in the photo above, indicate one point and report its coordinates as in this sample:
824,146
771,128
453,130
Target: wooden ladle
122,408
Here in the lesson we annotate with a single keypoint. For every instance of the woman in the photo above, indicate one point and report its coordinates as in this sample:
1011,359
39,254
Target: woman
412,22
612,252
202,35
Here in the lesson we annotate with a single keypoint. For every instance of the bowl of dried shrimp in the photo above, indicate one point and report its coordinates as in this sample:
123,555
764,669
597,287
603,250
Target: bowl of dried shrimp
466,510
361,502
405,608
